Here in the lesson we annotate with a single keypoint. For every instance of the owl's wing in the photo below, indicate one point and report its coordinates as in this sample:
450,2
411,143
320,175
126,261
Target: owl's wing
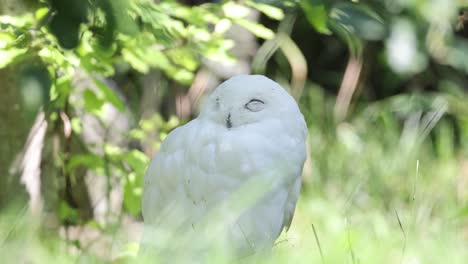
290,207
299,157
181,170
163,176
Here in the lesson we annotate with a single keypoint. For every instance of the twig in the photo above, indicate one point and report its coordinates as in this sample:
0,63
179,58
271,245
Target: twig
414,195
348,87
404,236
246,238
13,226
434,119
350,197
318,243
350,245
281,241
416,180
255,252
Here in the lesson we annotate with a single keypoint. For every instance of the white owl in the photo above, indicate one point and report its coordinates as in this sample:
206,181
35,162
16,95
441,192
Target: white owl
231,176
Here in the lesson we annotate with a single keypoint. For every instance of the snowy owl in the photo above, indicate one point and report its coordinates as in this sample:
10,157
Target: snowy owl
232,175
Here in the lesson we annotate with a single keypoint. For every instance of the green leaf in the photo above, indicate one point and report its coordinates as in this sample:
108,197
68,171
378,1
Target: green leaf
184,57
40,13
181,75
25,20
358,19
195,15
137,134
60,90
218,50
132,193
136,62
317,15
110,95
270,11
10,56
112,150
137,160
76,125
54,56
234,10
119,13
222,26
67,213
257,29
6,39
156,58
89,160
92,62
66,23
92,102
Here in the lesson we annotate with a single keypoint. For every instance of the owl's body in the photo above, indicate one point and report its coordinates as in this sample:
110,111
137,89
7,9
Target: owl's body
232,175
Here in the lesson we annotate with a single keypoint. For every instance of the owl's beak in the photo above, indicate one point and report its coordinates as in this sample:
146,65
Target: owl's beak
228,121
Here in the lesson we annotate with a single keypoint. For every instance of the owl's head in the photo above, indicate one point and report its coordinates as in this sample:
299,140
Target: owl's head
249,99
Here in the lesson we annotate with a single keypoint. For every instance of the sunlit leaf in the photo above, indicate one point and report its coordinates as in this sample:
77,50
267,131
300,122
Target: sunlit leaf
92,102
60,90
110,95
195,15
158,59
10,56
54,56
92,62
257,29
67,213
200,34
222,26
17,21
137,63
182,76
112,150
137,160
234,10
218,50
184,57
89,160
317,14
132,193
76,125
172,123
6,39
137,134
271,11
41,13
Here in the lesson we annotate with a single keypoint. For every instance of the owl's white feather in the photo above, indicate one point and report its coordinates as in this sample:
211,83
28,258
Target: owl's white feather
230,176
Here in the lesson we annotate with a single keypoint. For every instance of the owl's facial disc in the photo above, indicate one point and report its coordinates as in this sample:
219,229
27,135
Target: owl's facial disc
245,100
253,105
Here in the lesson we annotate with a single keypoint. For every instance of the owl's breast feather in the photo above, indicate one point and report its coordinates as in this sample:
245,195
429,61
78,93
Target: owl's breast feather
202,164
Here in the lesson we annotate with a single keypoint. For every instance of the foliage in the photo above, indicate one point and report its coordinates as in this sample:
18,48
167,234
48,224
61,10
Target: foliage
96,38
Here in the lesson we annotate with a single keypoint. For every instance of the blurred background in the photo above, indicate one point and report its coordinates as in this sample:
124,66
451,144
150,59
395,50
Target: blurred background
89,89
